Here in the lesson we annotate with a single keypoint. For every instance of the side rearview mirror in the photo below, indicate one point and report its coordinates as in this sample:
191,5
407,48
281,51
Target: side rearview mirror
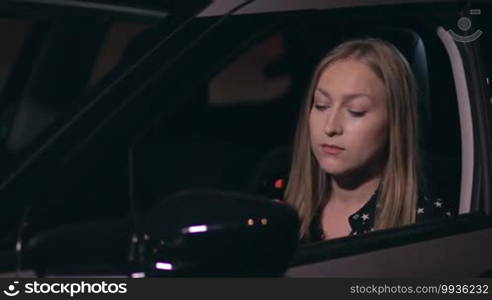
211,233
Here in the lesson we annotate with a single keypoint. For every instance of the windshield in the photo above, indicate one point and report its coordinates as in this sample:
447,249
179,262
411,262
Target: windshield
49,74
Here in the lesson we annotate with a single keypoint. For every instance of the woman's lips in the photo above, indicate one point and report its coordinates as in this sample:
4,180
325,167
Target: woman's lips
331,149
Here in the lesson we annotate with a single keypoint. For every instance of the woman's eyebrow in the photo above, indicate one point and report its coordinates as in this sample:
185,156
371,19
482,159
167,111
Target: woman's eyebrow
347,97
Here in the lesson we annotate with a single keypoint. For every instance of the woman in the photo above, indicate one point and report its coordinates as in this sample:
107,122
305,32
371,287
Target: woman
355,164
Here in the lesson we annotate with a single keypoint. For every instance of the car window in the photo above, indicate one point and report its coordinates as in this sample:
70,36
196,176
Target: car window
46,72
113,48
252,77
13,33
244,119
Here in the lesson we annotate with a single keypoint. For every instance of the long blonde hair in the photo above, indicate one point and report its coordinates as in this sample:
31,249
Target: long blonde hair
398,190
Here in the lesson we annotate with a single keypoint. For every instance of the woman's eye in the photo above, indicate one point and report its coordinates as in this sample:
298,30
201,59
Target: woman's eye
320,107
357,114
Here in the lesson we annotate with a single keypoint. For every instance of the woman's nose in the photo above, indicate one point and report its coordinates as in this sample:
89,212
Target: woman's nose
333,125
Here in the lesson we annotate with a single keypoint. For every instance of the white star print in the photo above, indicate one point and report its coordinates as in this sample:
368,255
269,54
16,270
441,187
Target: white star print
448,213
420,210
365,217
355,217
438,204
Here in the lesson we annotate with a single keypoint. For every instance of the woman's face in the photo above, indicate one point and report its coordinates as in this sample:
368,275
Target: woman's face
348,121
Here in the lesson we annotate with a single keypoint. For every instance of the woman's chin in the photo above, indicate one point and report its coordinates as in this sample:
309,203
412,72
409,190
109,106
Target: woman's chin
335,170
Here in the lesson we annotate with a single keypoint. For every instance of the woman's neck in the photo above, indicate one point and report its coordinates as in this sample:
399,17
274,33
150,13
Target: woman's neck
353,192
358,186
354,196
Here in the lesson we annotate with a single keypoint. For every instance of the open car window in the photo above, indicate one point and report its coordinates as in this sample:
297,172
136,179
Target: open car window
236,133
244,114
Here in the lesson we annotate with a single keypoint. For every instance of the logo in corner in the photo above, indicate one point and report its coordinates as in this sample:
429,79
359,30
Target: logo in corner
465,24
11,291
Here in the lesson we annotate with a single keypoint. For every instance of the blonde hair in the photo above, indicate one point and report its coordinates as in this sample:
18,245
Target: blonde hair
398,190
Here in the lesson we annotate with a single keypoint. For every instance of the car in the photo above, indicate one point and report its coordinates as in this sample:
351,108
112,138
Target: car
203,104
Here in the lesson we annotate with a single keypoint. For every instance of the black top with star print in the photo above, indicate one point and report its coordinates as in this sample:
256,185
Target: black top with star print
362,221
